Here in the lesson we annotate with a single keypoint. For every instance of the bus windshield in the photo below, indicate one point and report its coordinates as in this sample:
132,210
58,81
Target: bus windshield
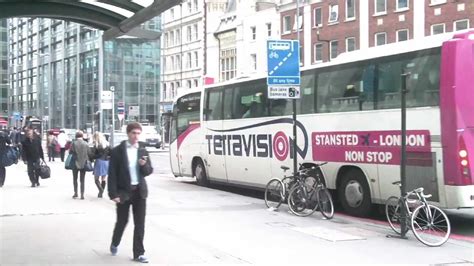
187,110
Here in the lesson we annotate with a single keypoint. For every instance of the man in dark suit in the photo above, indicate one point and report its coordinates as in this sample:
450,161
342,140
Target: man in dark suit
128,167
32,153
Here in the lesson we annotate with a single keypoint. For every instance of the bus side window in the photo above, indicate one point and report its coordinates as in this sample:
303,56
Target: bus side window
173,129
228,114
214,105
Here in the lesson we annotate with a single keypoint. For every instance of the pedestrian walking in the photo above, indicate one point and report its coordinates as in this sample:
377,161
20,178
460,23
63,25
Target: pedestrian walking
62,141
80,151
51,143
32,152
129,165
4,142
101,154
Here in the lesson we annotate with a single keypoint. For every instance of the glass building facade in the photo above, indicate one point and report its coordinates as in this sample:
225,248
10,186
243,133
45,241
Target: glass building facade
57,70
3,71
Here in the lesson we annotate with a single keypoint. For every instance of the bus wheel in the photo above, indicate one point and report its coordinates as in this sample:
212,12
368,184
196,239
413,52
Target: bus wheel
354,193
200,174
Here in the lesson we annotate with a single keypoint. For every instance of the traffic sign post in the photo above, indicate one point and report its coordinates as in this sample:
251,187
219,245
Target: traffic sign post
283,80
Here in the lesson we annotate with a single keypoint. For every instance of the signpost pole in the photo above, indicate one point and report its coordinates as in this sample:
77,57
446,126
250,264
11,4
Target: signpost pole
112,89
295,153
403,222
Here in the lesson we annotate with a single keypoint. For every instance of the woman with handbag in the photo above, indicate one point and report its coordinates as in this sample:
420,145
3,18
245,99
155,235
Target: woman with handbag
52,141
80,151
4,141
101,154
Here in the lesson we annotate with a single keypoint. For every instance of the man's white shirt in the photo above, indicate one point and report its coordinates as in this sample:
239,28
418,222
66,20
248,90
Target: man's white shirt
132,154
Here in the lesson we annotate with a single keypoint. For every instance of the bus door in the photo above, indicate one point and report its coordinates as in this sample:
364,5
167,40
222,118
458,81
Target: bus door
174,152
214,142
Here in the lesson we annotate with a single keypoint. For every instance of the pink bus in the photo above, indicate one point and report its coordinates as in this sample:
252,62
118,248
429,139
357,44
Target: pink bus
349,116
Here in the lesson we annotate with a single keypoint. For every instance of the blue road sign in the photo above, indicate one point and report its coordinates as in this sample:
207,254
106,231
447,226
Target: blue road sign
283,61
17,115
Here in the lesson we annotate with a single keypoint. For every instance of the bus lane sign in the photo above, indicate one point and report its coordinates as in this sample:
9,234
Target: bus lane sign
372,147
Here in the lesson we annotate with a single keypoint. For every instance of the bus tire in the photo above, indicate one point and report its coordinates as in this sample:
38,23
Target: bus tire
354,193
200,173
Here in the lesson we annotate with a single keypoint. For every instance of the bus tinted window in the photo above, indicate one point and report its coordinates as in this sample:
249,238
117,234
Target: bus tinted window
187,111
422,84
250,100
214,105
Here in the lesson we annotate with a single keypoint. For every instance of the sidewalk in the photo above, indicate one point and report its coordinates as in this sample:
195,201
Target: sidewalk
187,224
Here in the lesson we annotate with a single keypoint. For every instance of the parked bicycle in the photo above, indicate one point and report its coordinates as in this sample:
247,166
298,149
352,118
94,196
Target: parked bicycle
304,192
429,224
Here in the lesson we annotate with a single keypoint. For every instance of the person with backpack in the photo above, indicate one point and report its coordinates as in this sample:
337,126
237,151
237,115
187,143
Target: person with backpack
51,143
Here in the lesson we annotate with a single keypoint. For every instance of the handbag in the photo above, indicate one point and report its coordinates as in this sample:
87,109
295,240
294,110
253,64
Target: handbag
44,171
88,166
11,156
70,163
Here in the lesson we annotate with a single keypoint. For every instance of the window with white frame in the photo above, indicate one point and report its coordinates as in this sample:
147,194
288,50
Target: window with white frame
196,59
253,58
269,29
178,37
196,5
253,32
299,21
380,38
437,2
172,38
402,4
228,64
178,62
318,17
318,52
189,33
164,96
188,60
350,9
172,14
437,29
190,9
461,24
380,6
402,35
286,24
167,40
350,44
333,13
196,83
195,30
188,84
333,49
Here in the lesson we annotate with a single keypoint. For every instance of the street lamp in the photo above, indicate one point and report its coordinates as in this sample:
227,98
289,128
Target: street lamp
112,89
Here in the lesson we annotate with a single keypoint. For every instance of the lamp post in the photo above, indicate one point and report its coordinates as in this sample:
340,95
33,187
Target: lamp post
112,89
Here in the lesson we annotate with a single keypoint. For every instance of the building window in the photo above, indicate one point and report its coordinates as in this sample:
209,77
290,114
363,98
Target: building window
380,38
318,17
350,9
188,84
269,29
318,52
380,6
253,57
299,21
333,13
172,38
172,14
286,24
402,35
437,2
166,40
461,24
164,97
333,50
190,9
350,44
402,4
253,31
189,34
178,37
228,64
178,62
195,5
195,29
188,60
196,59
196,83
437,29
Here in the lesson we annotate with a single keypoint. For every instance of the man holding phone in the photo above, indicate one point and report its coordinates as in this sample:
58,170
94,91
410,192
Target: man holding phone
128,167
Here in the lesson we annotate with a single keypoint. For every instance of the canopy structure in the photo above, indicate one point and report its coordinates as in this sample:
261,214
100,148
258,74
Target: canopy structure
115,17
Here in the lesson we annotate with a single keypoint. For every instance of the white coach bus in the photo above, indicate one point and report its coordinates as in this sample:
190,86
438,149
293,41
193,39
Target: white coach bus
349,116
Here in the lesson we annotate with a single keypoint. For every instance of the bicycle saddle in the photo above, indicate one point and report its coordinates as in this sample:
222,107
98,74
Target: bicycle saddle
285,168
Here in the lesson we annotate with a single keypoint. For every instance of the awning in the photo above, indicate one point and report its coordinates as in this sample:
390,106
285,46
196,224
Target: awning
115,17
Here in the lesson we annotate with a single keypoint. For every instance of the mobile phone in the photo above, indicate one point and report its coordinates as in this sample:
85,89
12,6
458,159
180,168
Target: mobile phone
145,157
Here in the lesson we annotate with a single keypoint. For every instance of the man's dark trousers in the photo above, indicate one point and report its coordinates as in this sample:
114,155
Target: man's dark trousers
33,166
139,209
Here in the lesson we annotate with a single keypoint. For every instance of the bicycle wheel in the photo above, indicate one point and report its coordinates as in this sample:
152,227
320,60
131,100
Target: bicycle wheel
393,212
430,225
326,206
274,193
301,203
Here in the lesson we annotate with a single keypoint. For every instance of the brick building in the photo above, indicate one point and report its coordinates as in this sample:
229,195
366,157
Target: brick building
331,27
